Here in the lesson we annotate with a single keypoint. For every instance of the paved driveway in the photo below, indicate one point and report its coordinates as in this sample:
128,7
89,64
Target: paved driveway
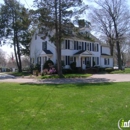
96,78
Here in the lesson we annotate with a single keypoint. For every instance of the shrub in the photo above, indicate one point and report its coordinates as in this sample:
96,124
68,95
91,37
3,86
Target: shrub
47,64
73,65
109,70
37,67
66,71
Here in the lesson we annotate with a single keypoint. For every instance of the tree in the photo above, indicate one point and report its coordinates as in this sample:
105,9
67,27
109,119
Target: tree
56,15
14,24
2,58
113,18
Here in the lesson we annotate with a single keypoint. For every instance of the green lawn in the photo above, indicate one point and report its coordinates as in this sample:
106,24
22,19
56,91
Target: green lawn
126,71
67,76
63,107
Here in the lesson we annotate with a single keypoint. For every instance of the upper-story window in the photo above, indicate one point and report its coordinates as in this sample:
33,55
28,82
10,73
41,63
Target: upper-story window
80,46
95,47
71,45
67,44
87,46
44,45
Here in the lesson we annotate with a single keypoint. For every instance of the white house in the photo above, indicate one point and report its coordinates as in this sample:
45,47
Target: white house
86,52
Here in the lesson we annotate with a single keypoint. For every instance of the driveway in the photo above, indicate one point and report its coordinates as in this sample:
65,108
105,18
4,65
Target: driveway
96,78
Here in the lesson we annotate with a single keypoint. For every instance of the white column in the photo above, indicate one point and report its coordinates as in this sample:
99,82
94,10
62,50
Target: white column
41,64
91,61
79,61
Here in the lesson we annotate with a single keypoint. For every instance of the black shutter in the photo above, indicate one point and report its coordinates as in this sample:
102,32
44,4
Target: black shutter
85,45
65,44
82,46
65,60
68,60
108,61
74,45
68,44
77,45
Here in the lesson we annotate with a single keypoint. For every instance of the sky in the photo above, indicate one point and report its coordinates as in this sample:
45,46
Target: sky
27,4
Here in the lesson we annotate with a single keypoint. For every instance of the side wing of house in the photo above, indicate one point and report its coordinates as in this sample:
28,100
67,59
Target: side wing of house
106,58
41,50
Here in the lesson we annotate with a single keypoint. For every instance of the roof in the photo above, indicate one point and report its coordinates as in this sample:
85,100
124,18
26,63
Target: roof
85,52
48,52
79,52
103,54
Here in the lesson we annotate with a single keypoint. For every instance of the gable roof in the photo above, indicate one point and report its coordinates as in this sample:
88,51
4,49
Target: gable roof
48,52
83,52
105,54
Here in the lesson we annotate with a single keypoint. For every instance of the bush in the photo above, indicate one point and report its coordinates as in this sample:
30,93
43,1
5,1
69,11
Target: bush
47,64
73,65
109,70
37,67
66,71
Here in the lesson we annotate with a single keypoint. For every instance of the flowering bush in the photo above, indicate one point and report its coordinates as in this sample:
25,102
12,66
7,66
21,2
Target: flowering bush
52,71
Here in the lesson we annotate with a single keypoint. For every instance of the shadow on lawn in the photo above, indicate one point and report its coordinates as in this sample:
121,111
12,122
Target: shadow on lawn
77,82
73,80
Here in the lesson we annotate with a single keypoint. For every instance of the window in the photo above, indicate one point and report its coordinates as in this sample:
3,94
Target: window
67,60
87,46
44,45
95,47
71,45
71,59
80,46
92,46
106,61
67,44
75,47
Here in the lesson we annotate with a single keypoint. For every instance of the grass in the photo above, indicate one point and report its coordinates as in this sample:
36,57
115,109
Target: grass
126,71
67,76
63,107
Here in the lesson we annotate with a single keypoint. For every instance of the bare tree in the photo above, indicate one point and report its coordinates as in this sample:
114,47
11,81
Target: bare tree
113,20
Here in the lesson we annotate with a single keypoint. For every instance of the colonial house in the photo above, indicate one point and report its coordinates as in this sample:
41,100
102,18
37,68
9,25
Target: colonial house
84,49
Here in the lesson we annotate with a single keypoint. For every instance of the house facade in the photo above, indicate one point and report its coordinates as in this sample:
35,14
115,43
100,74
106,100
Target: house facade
85,52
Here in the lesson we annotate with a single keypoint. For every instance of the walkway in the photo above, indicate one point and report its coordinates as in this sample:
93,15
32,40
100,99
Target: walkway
96,78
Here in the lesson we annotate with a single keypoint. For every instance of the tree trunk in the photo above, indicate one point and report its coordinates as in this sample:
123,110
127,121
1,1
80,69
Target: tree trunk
119,55
58,37
19,55
59,43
